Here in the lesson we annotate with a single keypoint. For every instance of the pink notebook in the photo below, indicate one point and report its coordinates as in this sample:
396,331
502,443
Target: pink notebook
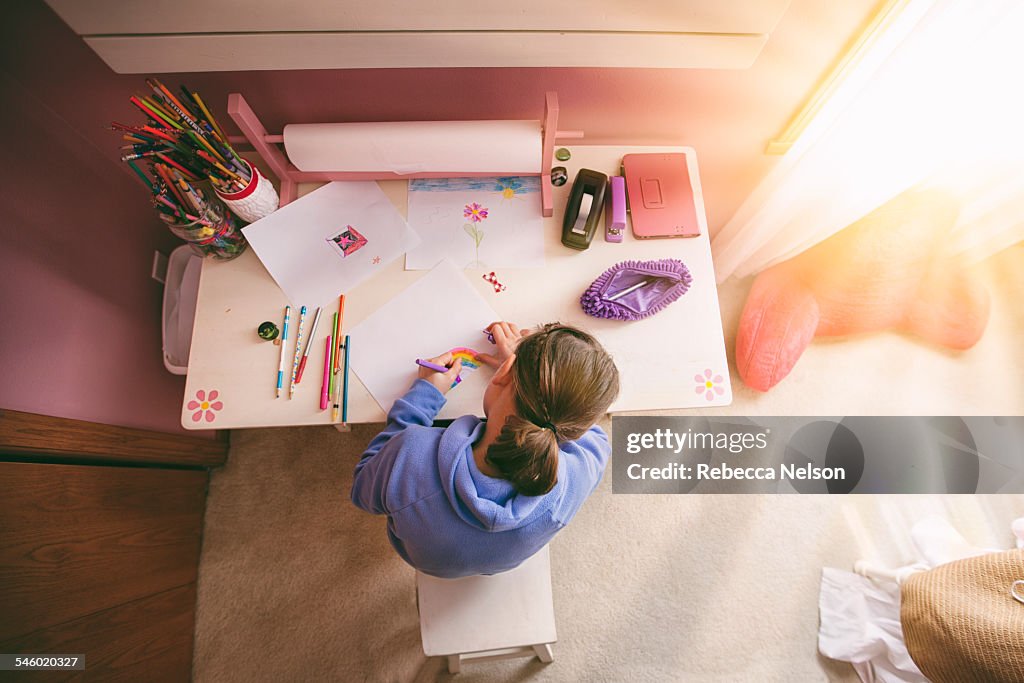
660,195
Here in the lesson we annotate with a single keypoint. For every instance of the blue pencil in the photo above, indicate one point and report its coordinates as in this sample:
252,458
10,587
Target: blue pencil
284,342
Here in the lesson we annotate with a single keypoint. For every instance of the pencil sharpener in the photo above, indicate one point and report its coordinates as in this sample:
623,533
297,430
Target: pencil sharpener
583,210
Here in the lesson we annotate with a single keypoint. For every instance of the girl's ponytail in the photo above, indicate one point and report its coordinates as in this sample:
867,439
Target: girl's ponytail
526,454
563,381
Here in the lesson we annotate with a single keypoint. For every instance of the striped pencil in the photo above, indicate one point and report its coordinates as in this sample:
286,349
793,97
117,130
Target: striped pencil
298,351
284,343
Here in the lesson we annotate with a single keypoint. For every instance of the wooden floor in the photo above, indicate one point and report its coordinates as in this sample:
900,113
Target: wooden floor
99,546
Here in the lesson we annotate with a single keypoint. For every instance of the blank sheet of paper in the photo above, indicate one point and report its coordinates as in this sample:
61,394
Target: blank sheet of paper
327,242
437,313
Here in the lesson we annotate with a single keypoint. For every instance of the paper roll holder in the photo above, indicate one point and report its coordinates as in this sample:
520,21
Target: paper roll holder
266,146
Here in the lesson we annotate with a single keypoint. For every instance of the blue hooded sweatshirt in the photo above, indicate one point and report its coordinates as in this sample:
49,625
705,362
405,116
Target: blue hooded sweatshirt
445,517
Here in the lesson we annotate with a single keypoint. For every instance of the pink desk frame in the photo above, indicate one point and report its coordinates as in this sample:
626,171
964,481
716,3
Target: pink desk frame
266,146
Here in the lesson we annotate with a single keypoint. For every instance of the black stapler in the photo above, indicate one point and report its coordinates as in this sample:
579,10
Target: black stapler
582,212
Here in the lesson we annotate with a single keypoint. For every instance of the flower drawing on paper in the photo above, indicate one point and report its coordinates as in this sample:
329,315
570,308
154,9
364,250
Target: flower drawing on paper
205,406
475,212
709,385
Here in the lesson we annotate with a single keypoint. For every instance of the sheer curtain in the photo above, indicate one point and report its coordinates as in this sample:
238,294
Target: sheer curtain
937,101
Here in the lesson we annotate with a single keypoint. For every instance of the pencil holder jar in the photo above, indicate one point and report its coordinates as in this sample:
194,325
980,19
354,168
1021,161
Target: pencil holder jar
256,200
213,232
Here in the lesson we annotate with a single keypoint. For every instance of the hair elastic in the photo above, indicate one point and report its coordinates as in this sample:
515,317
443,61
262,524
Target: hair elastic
548,425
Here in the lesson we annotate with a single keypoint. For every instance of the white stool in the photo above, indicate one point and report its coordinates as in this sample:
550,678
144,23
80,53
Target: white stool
489,617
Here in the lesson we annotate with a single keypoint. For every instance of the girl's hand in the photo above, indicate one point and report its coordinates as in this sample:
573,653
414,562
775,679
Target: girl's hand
442,380
506,337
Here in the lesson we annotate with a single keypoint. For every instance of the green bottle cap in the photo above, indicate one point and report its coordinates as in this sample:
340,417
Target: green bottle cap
562,154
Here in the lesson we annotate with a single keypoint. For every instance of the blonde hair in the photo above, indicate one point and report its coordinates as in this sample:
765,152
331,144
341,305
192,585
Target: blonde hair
563,381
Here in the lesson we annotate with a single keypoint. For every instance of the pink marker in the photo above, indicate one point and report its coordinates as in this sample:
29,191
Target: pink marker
325,387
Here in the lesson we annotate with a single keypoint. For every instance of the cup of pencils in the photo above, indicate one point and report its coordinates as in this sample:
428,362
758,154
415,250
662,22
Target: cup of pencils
203,221
190,163
250,199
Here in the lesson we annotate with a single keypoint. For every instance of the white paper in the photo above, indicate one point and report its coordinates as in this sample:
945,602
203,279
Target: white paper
477,222
439,312
294,242
498,147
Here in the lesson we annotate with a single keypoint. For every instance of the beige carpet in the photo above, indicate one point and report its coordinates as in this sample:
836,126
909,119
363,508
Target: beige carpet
297,584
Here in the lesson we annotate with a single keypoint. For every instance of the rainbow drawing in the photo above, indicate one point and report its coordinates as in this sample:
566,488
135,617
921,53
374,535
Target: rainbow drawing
467,356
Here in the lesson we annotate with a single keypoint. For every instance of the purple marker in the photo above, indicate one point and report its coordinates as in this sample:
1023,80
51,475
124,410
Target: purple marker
490,336
437,368
431,366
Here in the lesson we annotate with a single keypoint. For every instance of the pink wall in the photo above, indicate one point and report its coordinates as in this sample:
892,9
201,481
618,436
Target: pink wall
81,316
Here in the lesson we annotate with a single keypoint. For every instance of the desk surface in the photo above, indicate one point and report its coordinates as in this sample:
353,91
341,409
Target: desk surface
658,358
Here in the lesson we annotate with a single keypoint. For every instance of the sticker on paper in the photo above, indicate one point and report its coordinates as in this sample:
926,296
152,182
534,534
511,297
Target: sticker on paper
347,242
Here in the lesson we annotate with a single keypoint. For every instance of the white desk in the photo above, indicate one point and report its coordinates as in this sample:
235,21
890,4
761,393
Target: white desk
658,358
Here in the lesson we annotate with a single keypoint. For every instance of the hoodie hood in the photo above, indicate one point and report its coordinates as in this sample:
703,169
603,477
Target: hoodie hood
485,502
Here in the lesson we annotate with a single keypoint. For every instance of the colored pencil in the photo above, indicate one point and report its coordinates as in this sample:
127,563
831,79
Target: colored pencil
298,350
171,162
332,355
284,343
142,175
344,396
337,336
209,116
325,386
309,345
152,114
182,134
337,356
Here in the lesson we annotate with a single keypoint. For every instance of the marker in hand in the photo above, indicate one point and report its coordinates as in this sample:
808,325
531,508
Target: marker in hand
436,368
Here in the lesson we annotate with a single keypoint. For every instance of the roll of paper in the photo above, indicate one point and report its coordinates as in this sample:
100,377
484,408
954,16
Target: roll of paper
405,147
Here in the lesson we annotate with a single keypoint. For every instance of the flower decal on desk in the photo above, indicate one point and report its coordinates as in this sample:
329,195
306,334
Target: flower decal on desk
709,385
205,407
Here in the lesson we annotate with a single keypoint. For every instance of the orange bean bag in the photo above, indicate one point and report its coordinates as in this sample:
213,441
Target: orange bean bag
887,271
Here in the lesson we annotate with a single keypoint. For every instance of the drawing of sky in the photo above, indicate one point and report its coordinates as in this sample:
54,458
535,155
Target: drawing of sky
521,184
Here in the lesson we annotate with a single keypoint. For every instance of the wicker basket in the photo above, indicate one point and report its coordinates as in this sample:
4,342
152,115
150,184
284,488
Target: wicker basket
961,623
